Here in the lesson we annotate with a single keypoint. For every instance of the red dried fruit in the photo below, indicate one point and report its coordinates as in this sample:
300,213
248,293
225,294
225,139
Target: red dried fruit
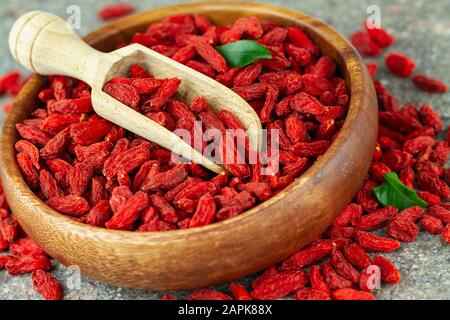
166,211
274,37
317,281
379,35
402,228
375,219
30,150
440,212
128,213
46,285
332,278
430,85
137,71
315,252
239,292
400,65
123,179
351,294
8,80
9,229
70,106
446,234
430,117
305,103
432,224
279,285
125,93
49,185
25,246
269,104
28,170
208,294
397,160
4,259
311,294
310,149
372,242
389,273
295,129
364,44
343,267
205,213
372,68
211,56
166,180
71,205
25,264
429,198
99,214
356,255
378,170
94,155
56,145
300,39
234,205
349,213
132,158
32,134
79,177
113,11
247,75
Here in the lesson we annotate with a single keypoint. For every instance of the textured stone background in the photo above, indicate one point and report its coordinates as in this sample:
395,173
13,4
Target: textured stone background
422,29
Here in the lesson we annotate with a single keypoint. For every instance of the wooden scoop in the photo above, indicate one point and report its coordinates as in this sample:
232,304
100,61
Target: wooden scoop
45,44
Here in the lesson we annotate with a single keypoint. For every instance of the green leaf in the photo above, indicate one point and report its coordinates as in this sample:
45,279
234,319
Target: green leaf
394,193
243,52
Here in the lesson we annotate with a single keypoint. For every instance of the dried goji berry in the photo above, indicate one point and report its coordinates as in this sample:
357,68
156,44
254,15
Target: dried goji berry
25,246
29,263
71,205
349,213
364,44
375,219
430,85
372,242
332,278
49,185
46,285
205,213
343,267
279,285
317,281
125,93
311,254
208,294
351,294
356,255
400,65
128,212
389,273
115,11
239,292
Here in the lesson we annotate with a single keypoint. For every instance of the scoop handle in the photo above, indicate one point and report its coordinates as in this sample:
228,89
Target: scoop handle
46,44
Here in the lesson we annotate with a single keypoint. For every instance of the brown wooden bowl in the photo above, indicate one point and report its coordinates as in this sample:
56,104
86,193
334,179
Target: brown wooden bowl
226,250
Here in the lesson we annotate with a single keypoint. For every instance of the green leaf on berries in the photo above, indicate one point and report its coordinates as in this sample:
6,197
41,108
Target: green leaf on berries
243,52
394,193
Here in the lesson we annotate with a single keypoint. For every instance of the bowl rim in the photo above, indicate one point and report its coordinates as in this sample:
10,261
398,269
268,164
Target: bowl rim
134,237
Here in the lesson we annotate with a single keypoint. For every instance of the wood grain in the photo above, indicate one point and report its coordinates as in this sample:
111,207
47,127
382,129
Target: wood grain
227,250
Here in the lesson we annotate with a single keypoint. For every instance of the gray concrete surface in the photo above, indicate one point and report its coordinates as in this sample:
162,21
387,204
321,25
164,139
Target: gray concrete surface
422,29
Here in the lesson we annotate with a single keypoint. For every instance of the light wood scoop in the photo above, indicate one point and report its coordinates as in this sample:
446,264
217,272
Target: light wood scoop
45,44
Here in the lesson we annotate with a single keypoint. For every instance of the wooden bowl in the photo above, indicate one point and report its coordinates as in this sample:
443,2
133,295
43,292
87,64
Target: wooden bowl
222,251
